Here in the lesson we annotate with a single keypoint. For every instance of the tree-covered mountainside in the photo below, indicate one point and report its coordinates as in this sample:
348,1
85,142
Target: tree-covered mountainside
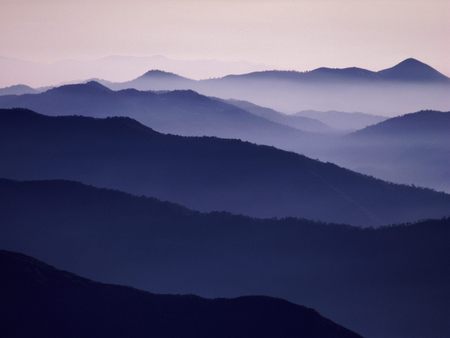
41,301
203,173
181,112
387,282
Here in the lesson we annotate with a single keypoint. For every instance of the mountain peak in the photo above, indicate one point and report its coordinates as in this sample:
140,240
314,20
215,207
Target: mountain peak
160,74
412,70
411,61
96,84
18,89
90,86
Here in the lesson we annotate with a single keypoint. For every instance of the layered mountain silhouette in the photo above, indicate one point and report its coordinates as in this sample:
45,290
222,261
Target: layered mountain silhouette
56,303
408,70
343,121
203,173
17,90
412,149
181,112
115,66
305,123
423,124
388,282
188,113
412,70
319,74
161,79
408,86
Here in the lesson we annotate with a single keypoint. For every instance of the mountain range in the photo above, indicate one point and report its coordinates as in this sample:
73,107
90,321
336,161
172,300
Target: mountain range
19,89
411,85
304,123
314,134
426,123
113,67
203,173
181,112
408,86
407,70
56,303
383,283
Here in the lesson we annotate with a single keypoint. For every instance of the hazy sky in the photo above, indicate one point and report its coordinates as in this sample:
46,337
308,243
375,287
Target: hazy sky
300,35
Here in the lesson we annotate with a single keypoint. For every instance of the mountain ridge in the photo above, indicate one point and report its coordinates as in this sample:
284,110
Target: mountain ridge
338,270
407,70
18,89
182,112
413,69
228,175
424,121
38,293
413,149
394,90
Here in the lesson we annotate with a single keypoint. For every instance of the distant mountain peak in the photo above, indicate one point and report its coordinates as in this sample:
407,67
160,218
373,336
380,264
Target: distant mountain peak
95,84
412,64
160,74
20,85
342,73
411,61
17,89
90,86
412,70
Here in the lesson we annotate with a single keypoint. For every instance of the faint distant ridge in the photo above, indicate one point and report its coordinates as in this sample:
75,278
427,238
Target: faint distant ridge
18,89
341,73
154,79
344,121
161,74
409,70
309,124
412,70
408,86
90,87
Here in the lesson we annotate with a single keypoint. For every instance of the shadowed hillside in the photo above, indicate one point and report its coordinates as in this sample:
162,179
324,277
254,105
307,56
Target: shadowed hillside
181,112
57,303
203,173
390,282
411,149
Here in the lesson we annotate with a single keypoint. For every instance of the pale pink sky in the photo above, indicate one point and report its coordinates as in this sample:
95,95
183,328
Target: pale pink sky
284,34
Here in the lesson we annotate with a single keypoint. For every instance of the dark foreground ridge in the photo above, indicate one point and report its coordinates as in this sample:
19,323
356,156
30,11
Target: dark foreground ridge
38,300
391,282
